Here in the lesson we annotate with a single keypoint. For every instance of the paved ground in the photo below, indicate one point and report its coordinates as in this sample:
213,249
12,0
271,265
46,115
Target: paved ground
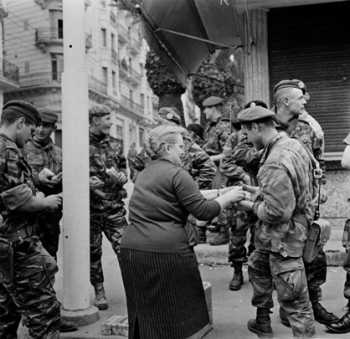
231,309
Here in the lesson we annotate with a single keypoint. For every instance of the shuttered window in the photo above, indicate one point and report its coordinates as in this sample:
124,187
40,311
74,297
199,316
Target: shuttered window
312,43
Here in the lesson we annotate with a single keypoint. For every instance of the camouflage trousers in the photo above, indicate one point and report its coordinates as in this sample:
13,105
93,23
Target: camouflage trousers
347,279
316,275
49,228
30,295
239,222
269,270
113,230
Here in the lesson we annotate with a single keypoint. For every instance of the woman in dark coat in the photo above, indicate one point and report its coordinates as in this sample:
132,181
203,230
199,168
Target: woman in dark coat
164,290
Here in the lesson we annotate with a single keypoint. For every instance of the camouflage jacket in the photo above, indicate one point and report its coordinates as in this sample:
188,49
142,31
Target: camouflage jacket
215,136
287,191
41,156
301,130
16,187
199,165
105,155
228,165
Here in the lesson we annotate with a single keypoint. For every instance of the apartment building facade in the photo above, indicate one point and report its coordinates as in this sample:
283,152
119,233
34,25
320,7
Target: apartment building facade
115,56
9,72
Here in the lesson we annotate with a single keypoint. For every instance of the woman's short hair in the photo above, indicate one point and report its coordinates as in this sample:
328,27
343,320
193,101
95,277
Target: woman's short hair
161,136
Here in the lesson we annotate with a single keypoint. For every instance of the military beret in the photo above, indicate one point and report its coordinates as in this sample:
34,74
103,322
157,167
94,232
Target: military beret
291,83
212,101
48,116
170,113
23,107
254,113
99,110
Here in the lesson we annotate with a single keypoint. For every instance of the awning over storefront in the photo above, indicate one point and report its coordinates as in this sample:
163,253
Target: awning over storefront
183,32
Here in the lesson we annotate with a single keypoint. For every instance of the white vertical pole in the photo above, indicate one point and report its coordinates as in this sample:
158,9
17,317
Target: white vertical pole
75,142
256,65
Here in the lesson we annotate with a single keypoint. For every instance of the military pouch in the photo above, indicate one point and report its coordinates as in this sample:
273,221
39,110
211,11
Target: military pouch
6,261
311,248
318,234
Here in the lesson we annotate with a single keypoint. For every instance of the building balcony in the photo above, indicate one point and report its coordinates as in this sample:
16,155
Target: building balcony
9,75
40,79
131,106
123,35
46,36
97,85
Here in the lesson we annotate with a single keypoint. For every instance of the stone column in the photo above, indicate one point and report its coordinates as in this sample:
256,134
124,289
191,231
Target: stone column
75,142
256,66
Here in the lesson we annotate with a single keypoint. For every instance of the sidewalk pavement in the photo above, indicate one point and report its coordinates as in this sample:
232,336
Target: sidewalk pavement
231,310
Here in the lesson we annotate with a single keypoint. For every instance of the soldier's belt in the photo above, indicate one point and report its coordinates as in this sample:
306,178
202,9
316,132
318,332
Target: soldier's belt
20,234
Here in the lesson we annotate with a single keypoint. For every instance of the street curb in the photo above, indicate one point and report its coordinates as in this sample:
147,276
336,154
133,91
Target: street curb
116,326
219,257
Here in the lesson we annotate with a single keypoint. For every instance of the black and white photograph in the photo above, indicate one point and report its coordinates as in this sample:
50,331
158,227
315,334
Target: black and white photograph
174,169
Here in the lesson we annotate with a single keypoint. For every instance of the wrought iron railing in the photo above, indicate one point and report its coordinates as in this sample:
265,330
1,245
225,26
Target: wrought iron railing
39,79
46,34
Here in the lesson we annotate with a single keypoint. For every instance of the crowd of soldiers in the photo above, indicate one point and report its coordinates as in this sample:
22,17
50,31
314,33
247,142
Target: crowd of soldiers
275,154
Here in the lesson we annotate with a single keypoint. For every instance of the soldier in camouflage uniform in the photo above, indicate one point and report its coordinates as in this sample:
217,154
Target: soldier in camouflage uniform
343,325
44,156
284,207
107,211
240,221
26,268
40,152
202,169
215,135
289,98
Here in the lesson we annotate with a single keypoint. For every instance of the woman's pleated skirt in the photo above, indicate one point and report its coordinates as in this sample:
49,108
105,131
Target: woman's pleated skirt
165,295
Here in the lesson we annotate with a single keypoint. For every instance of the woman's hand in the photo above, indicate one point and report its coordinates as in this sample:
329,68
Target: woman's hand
235,194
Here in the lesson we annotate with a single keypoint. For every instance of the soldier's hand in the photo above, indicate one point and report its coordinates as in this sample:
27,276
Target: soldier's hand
40,195
253,190
57,178
323,196
53,202
95,182
117,177
45,177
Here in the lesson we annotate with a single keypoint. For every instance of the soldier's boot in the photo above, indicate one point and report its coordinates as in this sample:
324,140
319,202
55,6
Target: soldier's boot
100,297
237,279
284,318
202,235
341,326
322,315
67,326
221,238
261,326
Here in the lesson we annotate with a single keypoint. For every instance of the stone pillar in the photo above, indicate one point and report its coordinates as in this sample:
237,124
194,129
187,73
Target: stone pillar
256,66
75,141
